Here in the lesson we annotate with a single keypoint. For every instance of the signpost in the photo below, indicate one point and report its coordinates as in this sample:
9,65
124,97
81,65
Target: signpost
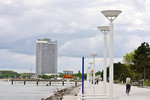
82,75
68,74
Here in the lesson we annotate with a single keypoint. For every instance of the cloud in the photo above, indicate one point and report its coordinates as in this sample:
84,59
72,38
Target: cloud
14,61
125,42
81,47
75,64
73,24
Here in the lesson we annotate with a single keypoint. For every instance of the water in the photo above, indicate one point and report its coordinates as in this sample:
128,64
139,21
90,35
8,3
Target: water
30,91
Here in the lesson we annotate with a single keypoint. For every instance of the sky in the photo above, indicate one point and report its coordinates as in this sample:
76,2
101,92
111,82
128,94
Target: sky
73,24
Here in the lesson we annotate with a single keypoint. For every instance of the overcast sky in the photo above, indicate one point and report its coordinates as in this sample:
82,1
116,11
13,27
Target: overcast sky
73,23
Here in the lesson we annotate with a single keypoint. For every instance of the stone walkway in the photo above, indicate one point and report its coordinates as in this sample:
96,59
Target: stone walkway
119,90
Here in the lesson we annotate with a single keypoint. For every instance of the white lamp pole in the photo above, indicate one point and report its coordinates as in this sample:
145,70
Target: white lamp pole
93,55
111,16
91,75
88,75
104,30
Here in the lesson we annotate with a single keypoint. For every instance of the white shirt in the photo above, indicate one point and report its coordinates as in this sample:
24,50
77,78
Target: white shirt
128,80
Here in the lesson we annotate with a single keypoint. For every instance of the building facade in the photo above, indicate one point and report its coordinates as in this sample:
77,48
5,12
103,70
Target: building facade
46,57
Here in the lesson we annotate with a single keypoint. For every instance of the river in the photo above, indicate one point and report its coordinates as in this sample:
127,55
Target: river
30,91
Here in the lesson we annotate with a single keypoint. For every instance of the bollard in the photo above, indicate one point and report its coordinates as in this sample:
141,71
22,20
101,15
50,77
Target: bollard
11,82
75,83
37,82
62,83
24,82
49,82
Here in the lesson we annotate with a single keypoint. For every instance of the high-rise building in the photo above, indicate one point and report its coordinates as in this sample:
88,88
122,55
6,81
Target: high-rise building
46,56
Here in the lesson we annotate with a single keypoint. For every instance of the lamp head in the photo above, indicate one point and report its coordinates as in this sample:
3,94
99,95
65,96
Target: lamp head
94,55
90,62
111,14
103,28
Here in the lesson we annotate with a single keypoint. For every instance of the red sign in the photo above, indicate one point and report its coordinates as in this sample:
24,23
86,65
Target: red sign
91,70
68,76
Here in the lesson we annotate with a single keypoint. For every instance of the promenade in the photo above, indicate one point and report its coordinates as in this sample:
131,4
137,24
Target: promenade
119,90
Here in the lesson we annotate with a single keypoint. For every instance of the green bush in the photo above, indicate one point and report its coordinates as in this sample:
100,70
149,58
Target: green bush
116,81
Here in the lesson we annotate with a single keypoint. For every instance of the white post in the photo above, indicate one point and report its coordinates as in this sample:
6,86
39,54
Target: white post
88,76
111,15
94,55
104,30
91,75
105,63
68,82
94,75
111,69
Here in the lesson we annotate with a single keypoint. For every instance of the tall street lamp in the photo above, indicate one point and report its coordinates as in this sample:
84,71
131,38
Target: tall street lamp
104,30
111,15
88,75
91,74
93,55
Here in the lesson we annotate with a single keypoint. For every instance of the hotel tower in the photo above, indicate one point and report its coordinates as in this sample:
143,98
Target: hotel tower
46,57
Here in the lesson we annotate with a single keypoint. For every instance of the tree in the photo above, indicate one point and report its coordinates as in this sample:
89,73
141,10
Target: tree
128,62
61,75
8,74
98,73
128,58
79,75
85,76
121,71
141,59
45,76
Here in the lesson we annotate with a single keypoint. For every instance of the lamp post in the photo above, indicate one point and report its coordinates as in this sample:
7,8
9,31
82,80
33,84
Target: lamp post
93,55
104,30
111,15
90,74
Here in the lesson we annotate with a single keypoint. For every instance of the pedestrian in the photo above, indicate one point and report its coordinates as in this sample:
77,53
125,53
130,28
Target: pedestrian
97,81
128,83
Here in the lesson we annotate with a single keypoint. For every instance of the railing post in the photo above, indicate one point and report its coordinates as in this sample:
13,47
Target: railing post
62,82
37,82
11,82
49,82
75,83
24,82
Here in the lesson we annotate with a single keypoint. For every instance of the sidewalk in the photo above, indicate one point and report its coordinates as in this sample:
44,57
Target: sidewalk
119,90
